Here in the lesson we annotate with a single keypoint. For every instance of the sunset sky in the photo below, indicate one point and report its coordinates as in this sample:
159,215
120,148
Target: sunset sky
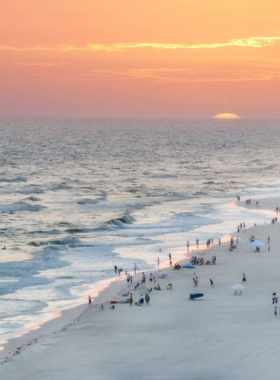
148,58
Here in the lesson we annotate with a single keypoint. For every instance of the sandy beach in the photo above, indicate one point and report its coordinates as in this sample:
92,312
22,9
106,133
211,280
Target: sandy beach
221,336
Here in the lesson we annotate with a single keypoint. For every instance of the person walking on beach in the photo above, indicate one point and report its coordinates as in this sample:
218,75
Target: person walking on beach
89,301
169,255
244,279
147,299
135,268
212,283
131,278
275,311
194,277
273,298
219,241
268,240
158,261
143,278
116,269
130,299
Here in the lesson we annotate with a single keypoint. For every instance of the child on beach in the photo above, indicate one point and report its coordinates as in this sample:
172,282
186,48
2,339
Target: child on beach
147,299
158,261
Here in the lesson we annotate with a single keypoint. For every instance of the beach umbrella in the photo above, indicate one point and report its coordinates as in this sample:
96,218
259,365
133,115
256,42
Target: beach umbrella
257,243
237,287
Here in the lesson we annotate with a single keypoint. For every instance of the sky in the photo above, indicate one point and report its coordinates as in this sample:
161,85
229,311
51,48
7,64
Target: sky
148,58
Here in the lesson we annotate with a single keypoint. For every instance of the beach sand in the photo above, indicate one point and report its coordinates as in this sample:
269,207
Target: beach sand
220,337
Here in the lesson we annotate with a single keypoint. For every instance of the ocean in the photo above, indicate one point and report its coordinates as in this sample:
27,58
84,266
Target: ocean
80,196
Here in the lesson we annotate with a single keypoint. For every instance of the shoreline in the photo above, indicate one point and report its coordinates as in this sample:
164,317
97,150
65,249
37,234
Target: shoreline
107,289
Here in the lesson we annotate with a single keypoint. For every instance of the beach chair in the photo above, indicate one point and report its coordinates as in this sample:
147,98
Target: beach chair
193,296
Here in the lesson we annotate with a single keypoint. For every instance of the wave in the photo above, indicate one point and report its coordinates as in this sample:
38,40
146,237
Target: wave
31,191
34,199
20,206
88,201
126,219
163,176
62,186
11,180
79,230
70,241
46,232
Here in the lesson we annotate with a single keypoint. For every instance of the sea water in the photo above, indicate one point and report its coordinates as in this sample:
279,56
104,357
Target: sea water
80,196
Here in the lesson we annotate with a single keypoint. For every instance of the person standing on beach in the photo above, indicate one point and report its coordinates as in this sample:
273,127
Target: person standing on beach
273,298
158,261
116,269
151,278
147,299
130,299
219,241
275,311
128,279
131,279
169,255
244,279
143,278
194,277
212,283
135,268
89,301
188,245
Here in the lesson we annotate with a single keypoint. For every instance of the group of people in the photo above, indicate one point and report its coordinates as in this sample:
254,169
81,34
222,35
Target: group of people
275,301
241,226
196,281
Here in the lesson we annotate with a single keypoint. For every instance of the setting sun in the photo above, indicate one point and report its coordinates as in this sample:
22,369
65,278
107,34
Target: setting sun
226,116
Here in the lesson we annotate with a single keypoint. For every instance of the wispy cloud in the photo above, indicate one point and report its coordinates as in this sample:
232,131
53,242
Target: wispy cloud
252,42
34,64
165,75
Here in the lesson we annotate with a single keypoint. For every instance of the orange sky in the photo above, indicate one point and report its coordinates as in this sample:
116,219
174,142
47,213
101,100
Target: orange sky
148,58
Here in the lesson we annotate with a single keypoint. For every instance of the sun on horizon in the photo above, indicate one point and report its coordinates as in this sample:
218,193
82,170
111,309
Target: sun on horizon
226,116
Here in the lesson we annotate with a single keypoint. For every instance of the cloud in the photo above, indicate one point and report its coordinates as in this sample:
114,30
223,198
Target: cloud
34,64
252,42
165,75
